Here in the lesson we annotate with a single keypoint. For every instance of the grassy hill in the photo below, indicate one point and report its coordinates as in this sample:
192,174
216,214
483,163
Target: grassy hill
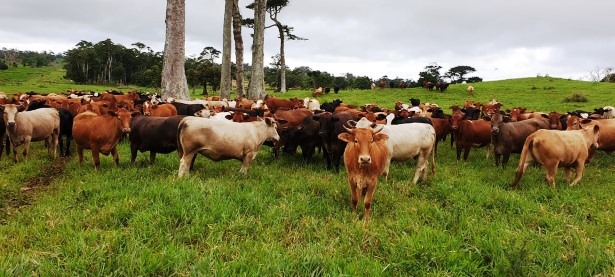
290,217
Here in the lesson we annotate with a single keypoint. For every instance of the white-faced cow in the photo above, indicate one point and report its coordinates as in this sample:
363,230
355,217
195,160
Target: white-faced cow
23,127
553,149
222,140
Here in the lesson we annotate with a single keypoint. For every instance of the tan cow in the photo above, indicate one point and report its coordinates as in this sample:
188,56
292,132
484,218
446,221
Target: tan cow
23,127
222,140
554,148
365,157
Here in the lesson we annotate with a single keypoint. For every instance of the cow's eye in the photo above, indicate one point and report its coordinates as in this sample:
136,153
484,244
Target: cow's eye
356,141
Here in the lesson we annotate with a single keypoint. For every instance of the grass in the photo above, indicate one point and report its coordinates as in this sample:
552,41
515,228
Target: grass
287,217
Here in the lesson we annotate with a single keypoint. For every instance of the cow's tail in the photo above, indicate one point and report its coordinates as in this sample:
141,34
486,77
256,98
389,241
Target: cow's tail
523,159
180,128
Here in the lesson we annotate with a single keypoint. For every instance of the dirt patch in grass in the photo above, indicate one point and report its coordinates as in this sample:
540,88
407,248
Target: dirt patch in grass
11,199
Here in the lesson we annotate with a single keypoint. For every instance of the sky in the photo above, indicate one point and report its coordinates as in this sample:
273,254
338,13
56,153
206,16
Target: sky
501,39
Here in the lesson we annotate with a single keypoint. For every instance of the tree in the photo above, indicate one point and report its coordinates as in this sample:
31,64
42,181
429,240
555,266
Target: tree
3,66
256,89
174,83
474,80
457,73
362,82
238,48
430,74
598,74
225,78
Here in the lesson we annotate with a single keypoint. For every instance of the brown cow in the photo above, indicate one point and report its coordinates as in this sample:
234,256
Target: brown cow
468,133
365,158
508,137
553,149
101,133
274,103
555,120
162,110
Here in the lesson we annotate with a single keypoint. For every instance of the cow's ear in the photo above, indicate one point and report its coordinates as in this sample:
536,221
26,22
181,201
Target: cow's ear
596,128
282,121
507,111
381,116
335,119
230,117
586,121
347,137
2,107
506,119
21,108
544,115
111,113
135,113
380,137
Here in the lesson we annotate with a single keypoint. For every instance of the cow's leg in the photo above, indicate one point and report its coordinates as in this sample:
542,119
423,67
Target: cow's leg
568,173
80,153
337,157
551,171
497,159
466,152
54,144
26,147
487,150
15,153
421,167
459,153
68,139
61,144
505,158
368,198
152,157
247,159
355,193
385,172
116,157
133,152
96,157
579,172
185,163
520,171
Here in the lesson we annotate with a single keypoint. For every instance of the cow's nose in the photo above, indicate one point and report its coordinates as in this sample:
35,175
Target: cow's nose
365,159
553,126
321,133
11,124
126,130
495,130
146,113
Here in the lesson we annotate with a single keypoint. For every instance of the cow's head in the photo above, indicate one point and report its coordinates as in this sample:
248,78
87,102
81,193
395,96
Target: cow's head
361,140
497,120
456,118
272,132
10,112
554,119
124,117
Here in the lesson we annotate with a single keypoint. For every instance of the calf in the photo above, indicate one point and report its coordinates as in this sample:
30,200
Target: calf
469,133
153,134
305,136
23,127
101,133
405,142
553,149
365,158
508,137
222,140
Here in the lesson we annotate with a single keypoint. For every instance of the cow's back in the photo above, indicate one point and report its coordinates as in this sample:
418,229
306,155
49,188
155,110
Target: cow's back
407,140
158,134
39,123
566,147
513,134
96,131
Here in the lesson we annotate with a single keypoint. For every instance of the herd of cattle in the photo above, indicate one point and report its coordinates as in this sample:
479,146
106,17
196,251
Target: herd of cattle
368,137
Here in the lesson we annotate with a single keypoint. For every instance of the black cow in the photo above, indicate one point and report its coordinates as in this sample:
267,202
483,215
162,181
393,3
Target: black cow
330,106
443,86
327,89
304,136
336,89
154,134
331,125
404,120
66,130
415,102
187,109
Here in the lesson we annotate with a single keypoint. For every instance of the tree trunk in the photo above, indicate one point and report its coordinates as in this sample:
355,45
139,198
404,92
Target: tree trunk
282,57
257,79
238,48
225,76
174,83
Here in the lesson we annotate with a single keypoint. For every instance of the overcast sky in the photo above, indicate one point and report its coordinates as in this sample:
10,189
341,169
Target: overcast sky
502,39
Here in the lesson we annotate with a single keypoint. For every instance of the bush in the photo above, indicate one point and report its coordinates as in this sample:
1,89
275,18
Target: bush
576,97
3,66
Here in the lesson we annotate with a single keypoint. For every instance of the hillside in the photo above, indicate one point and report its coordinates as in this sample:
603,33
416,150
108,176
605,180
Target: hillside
288,216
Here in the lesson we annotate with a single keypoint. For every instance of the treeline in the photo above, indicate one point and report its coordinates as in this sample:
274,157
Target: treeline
14,58
106,62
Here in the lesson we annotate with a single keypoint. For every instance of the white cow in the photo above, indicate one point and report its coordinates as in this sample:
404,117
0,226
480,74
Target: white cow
23,127
222,140
407,141
609,112
311,104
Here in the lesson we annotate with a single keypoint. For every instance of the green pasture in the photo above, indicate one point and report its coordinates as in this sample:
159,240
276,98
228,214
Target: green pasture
290,217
